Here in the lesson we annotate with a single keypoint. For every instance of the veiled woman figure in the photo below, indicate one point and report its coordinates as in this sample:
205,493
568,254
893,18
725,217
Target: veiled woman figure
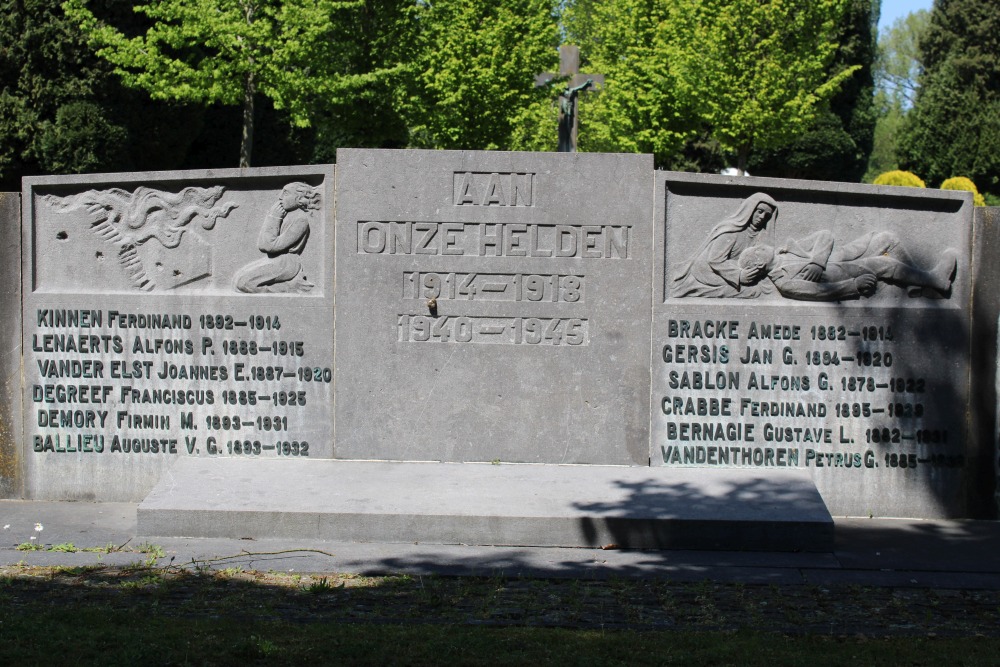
715,270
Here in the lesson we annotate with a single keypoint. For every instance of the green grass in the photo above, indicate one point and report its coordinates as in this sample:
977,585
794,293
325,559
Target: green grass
70,548
35,634
157,615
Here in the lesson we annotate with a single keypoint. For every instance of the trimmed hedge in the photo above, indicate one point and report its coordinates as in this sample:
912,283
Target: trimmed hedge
963,183
898,177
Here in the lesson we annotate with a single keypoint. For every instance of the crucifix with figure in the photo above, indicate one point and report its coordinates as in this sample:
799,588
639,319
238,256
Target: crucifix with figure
569,66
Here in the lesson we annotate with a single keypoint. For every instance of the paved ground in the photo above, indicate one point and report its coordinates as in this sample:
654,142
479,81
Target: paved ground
955,555
916,579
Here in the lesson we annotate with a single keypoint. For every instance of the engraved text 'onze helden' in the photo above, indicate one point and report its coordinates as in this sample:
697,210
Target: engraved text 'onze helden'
494,239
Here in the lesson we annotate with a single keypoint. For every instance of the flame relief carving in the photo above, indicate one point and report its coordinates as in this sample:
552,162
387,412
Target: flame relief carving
127,220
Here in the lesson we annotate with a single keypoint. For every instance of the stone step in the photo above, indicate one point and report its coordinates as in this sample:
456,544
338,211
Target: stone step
484,504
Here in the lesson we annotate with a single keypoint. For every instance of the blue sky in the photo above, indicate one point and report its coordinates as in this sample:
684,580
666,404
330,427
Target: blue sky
893,9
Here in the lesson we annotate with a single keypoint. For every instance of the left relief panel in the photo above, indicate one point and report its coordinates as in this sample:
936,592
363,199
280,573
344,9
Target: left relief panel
173,314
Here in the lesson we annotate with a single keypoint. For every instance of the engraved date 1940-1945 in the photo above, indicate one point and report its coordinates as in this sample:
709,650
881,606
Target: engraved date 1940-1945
503,330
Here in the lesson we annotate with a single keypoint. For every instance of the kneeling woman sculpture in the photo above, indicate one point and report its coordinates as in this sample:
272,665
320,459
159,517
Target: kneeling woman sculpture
282,238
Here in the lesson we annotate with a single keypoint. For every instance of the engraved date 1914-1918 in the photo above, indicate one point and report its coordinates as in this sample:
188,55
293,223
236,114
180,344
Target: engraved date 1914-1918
493,286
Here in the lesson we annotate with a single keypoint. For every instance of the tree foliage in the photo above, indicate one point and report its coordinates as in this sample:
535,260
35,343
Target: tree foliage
954,126
686,80
384,73
836,145
81,139
475,63
897,71
227,51
379,36
898,66
63,111
44,68
639,108
758,72
749,74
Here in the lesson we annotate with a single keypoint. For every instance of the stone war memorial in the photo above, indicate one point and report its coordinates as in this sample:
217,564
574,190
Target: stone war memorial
499,348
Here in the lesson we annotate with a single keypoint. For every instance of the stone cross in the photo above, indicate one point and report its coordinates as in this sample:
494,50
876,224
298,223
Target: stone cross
569,65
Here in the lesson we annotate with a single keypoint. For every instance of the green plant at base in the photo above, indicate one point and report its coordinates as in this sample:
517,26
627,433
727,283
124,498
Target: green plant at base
30,546
898,177
963,183
77,570
153,549
321,585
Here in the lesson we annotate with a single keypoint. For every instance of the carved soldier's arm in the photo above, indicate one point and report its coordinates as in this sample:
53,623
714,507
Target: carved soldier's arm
816,248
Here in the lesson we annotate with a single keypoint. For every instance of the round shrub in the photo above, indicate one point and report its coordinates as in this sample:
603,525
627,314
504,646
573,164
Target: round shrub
963,183
898,177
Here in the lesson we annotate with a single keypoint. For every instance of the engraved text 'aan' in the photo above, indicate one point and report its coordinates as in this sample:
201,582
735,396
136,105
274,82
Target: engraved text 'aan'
492,189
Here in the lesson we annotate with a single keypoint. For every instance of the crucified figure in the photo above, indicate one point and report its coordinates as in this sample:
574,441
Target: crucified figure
567,115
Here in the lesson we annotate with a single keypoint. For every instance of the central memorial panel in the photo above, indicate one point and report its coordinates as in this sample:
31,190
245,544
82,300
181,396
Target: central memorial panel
493,306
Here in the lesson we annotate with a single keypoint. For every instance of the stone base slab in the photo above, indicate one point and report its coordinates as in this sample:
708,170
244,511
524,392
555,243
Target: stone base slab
483,504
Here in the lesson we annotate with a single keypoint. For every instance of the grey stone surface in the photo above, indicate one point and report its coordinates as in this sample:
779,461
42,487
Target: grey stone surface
870,552
866,392
919,545
983,487
173,314
10,347
493,306
512,307
546,505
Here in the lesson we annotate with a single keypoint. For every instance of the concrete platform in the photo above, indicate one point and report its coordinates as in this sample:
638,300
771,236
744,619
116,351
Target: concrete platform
906,553
483,504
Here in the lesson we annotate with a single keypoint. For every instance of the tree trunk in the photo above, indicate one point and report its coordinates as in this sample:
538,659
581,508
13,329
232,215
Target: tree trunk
742,157
246,145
